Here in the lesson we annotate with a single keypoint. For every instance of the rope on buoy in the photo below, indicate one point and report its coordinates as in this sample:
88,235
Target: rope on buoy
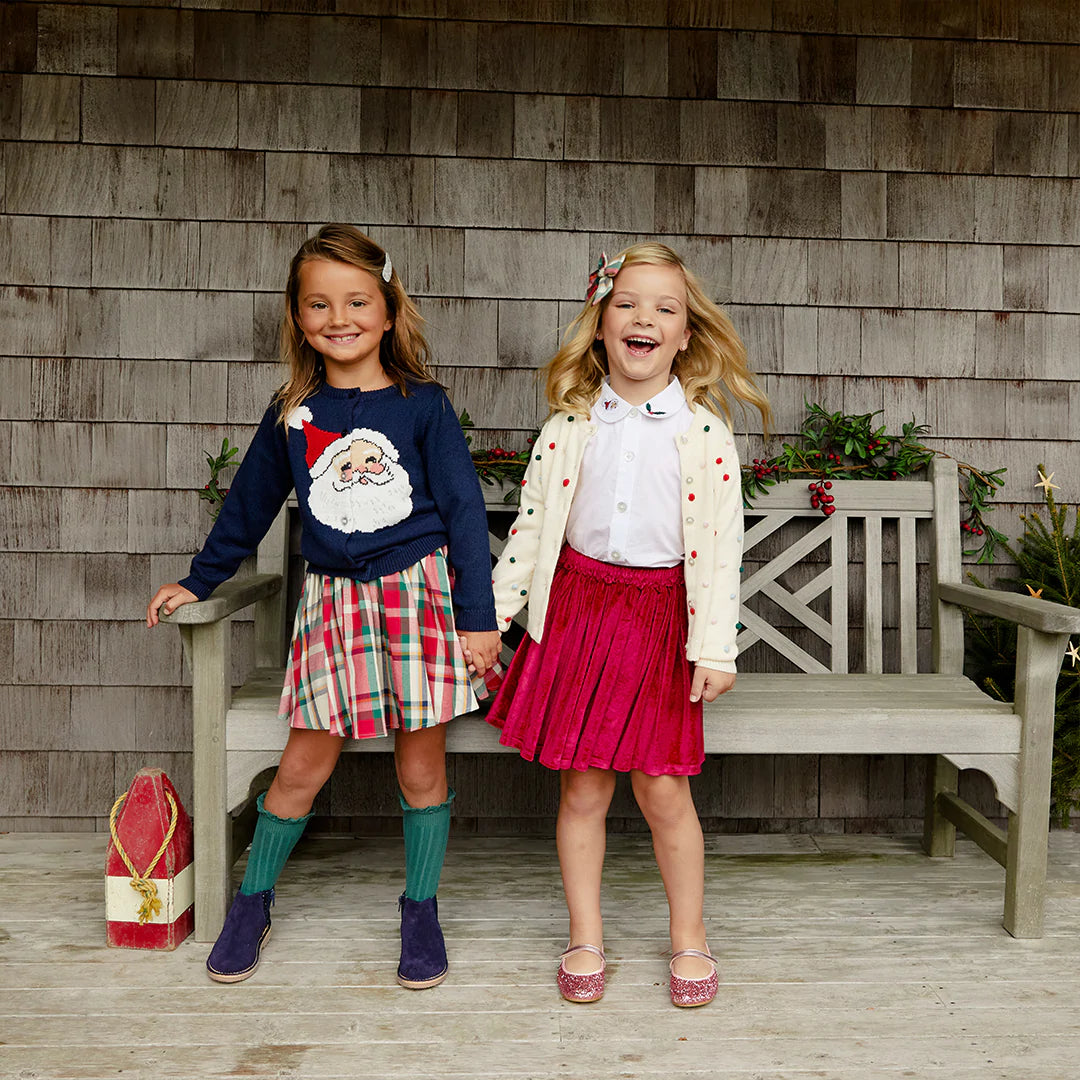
141,883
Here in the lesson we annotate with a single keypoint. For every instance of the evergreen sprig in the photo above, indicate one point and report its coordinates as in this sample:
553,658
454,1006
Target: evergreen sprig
213,493
497,465
1047,564
840,446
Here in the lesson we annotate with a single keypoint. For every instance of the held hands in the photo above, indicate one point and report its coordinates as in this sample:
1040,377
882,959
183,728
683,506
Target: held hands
481,649
709,683
168,598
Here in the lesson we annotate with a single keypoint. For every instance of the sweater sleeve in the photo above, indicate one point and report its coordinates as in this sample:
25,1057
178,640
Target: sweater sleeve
513,574
258,491
721,600
455,488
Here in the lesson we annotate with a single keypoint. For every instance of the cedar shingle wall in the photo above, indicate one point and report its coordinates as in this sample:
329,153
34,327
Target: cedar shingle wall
884,193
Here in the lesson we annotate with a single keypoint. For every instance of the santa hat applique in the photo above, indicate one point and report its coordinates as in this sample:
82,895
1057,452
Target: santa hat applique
321,446
318,441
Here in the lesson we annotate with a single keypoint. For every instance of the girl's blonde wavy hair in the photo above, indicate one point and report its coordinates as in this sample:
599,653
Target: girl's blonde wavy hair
713,369
403,351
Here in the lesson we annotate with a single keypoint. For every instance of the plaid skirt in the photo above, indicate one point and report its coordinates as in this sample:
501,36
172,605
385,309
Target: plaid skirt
370,657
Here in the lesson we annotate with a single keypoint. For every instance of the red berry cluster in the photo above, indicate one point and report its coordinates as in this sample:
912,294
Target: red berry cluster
968,527
830,457
820,499
763,469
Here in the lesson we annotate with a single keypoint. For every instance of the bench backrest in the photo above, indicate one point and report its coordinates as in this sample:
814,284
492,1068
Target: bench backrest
853,591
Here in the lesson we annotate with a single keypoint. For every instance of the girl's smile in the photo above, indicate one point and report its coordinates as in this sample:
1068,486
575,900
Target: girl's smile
343,316
642,328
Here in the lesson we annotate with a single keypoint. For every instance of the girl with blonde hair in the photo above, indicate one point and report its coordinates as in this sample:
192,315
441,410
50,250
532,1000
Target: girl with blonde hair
627,548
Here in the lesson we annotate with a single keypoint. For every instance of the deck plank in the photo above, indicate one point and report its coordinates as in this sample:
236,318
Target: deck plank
852,957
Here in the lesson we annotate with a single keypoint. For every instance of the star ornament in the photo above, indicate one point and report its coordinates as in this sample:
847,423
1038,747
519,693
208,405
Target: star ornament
1044,483
1037,593
1073,653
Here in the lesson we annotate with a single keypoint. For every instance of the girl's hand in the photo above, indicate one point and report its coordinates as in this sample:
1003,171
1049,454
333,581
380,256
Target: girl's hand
709,683
168,597
481,649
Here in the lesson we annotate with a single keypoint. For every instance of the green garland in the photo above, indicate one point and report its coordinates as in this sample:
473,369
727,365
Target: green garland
837,446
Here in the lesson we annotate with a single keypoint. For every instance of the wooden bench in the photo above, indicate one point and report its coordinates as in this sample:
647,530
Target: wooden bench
834,599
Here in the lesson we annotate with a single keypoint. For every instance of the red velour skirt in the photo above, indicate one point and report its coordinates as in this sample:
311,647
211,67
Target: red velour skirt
608,686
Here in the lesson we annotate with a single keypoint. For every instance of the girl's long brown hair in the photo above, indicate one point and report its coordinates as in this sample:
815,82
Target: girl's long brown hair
713,370
403,351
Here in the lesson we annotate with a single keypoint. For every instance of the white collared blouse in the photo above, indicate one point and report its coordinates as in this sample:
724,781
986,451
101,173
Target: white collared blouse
711,513
626,504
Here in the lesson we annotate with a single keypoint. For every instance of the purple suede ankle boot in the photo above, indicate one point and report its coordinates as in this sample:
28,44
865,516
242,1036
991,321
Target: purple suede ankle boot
423,951
235,954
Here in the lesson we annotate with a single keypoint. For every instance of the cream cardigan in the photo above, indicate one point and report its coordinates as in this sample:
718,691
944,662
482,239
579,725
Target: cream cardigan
712,531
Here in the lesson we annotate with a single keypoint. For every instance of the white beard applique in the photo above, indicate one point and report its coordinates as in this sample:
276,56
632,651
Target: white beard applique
357,482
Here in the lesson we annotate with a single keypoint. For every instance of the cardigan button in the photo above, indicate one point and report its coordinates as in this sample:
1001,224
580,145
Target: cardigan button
683,439
689,521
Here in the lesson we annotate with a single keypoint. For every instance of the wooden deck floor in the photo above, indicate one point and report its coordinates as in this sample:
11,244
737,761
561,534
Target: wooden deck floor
844,957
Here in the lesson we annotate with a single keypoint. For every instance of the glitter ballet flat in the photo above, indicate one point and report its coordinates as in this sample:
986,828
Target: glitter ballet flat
581,988
688,993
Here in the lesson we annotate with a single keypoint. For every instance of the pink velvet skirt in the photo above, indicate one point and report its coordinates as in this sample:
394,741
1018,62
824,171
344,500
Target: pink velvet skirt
608,686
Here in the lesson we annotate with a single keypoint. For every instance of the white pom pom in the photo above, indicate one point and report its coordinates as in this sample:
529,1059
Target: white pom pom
298,416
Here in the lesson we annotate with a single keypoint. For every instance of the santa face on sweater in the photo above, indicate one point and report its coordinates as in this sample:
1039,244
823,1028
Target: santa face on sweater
357,482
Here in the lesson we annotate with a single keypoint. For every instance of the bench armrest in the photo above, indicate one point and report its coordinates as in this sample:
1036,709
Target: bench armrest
1043,615
225,599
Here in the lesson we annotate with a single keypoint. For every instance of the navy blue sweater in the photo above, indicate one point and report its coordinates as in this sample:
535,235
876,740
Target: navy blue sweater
381,479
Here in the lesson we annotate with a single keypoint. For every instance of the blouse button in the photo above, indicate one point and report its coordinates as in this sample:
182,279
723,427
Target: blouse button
629,455
633,412
616,555
621,507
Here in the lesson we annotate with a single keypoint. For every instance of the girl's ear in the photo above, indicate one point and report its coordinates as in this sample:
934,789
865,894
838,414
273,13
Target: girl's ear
685,340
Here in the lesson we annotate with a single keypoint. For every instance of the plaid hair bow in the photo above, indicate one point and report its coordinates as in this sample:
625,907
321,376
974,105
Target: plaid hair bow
601,279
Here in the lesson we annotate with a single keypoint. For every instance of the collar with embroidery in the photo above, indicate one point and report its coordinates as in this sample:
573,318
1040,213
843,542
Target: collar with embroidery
612,408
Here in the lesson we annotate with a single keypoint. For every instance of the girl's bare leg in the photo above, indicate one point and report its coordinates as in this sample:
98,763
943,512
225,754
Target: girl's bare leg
420,760
306,763
668,807
581,837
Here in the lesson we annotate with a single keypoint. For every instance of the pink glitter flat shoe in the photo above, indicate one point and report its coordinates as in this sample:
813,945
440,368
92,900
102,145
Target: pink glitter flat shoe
688,993
581,988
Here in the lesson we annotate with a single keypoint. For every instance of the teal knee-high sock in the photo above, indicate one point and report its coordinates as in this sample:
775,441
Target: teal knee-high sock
274,839
426,831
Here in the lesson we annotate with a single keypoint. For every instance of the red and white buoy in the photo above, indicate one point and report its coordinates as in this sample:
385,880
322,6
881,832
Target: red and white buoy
149,872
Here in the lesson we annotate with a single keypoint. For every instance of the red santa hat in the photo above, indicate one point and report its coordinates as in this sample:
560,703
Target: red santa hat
321,446
318,442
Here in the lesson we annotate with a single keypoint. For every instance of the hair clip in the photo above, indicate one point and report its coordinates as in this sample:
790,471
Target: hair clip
600,280
388,269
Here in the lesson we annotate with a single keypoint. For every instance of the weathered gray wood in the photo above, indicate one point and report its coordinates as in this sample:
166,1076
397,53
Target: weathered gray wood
987,835
209,648
1029,611
1038,664
225,599
872,659
856,936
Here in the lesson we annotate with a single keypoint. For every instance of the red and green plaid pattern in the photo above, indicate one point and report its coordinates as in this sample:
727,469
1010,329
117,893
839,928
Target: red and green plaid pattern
373,656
